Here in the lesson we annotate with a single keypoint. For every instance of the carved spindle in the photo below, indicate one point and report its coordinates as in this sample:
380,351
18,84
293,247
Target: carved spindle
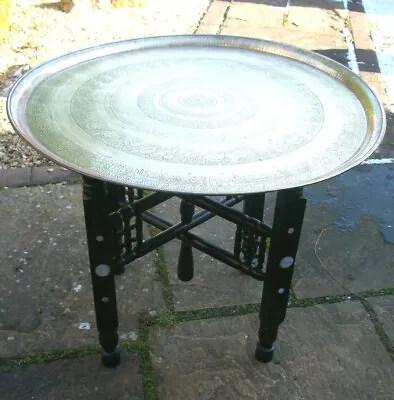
238,242
254,207
185,262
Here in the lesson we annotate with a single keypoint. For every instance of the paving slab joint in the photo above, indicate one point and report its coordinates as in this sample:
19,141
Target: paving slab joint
170,318
160,262
202,17
47,356
348,25
380,331
142,349
224,18
285,22
362,298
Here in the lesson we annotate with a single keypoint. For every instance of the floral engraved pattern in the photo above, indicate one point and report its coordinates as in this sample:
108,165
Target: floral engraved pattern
198,119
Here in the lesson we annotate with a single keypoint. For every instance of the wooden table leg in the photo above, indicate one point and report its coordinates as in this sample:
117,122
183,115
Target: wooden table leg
101,247
288,218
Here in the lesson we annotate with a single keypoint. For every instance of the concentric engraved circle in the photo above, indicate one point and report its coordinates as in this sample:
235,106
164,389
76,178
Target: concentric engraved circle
192,103
198,114
200,117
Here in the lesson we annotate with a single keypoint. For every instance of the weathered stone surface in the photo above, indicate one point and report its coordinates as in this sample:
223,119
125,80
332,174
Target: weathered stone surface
124,3
386,149
82,378
360,31
377,84
319,4
46,175
213,18
354,247
310,278
214,284
309,16
355,211
384,308
256,15
45,290
106,5
69,5
299,38
15,177
324,352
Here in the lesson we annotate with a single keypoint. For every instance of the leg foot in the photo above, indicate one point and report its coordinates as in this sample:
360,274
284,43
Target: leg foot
101,244
111,360
263,354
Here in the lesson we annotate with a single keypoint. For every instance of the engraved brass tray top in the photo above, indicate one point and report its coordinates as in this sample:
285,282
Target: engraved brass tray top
198,114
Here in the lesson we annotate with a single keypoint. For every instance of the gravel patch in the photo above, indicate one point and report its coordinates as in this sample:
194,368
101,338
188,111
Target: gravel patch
41,31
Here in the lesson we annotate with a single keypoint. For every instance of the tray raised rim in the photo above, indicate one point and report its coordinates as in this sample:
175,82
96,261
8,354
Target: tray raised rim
376,119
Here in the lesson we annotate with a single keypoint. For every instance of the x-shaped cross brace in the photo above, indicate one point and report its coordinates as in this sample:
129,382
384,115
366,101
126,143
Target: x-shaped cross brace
114,217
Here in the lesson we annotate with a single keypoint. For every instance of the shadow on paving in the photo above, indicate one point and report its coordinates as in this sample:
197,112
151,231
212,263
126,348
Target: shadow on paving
348,233
386,149
83,378
353,5
367,62
366,59
275,3
354,210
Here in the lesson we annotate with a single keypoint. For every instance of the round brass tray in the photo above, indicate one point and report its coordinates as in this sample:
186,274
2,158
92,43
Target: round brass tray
198,114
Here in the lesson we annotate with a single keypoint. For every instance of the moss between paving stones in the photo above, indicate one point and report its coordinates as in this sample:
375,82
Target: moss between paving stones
160,261
377,292
224,20
202,17
73,181
171,317
47,356
163,273
378,328
141,347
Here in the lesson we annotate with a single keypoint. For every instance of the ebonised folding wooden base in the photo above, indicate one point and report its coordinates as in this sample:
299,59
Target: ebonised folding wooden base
114,217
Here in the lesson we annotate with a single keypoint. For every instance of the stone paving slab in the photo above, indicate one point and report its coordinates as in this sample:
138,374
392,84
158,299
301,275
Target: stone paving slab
380,15
213,19
376,82
83,378
324,352
384,308
15,177
361,31
310,16
303,25
357,245
386,150
45,290
294,37
214,284
257,15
